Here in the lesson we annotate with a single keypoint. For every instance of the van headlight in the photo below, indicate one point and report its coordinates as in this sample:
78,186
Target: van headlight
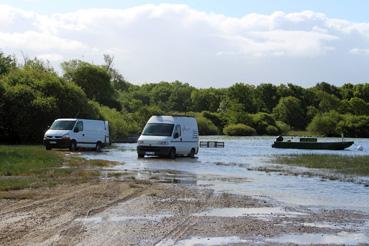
163,142
66,137
140,142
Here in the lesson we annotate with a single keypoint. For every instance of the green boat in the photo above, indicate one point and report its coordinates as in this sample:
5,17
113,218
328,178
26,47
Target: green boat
311,143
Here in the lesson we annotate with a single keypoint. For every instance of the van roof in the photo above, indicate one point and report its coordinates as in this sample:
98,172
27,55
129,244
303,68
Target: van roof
76,119
177,115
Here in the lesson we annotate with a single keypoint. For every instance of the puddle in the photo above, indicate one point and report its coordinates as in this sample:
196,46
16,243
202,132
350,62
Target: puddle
206,241
117,219
347,238
263,212
329,225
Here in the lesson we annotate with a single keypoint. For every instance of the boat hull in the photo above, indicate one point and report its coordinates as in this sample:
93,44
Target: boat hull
313,145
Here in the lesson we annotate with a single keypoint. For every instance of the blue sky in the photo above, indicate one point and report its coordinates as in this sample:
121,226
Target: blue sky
354,10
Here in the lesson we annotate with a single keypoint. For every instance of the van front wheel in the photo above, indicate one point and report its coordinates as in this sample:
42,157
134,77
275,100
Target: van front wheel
172,153
73,146
192,153
98,147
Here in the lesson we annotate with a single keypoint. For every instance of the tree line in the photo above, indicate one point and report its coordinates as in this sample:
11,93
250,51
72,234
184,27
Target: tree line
33,95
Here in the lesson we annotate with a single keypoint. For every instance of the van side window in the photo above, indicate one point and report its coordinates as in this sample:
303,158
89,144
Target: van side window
79,126
177,130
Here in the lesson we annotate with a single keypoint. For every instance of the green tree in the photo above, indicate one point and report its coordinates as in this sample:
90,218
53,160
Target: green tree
180,98
267,97
362,91
7,63
359,106
245,95
93,79
289,110
205,100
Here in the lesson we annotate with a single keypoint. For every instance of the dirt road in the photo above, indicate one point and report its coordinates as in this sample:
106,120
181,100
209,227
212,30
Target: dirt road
132,212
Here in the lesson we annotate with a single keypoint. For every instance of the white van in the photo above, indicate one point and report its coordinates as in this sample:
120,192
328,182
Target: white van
169,136
77,133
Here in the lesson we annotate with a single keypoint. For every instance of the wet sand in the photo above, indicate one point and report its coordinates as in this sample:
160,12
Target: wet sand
133,212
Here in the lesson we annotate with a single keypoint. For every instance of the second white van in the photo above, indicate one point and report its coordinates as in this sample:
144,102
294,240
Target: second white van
77,133
169,136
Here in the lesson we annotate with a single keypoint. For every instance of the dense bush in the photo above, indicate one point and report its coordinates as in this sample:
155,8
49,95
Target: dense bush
206,127
272,130
354,126
239,130
283,127
120,124
264,124
334,124
325,124
217,119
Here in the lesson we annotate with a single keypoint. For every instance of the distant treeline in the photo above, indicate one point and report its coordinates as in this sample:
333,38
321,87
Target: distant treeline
32,95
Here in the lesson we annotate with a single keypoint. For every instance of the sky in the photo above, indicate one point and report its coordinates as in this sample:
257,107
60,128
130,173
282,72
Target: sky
205,43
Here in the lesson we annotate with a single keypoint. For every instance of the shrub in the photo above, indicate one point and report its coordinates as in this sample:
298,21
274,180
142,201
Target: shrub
354,126
272,130
217,118
261,121
283,127
206,127
239,130
325,124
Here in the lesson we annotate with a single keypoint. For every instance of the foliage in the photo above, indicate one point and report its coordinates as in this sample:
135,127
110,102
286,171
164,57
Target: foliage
283,127
32,95
325,124
290,111
7,63
206,126
243,94
93,79
120,124
264,124
239,130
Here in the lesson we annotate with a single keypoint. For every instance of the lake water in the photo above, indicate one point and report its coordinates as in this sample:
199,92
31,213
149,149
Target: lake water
234,169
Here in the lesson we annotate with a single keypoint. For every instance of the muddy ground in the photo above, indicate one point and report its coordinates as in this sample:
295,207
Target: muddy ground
133,212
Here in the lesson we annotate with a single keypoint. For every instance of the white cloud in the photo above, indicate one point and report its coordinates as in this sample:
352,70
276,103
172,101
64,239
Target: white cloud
357,51
172,41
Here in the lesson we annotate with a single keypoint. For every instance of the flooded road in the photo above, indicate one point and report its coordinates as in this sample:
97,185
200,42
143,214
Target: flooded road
238,169
338,210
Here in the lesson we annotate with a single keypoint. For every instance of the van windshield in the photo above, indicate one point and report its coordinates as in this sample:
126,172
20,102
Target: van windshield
63,125
158,129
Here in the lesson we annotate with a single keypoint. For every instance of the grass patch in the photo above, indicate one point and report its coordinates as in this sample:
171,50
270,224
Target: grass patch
24,167
303,134
27,160
80,162
356,165
17,183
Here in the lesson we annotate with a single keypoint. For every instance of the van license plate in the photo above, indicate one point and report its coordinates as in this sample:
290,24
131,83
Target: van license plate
52,142
150,153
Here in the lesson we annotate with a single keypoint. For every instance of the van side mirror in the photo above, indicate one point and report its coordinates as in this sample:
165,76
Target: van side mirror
176,135
76,129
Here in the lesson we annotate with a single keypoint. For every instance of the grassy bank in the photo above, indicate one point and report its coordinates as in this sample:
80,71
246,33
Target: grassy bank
32,166
354,165
303,133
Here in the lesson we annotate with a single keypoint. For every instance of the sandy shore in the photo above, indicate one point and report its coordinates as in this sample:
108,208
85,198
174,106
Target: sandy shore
130,212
